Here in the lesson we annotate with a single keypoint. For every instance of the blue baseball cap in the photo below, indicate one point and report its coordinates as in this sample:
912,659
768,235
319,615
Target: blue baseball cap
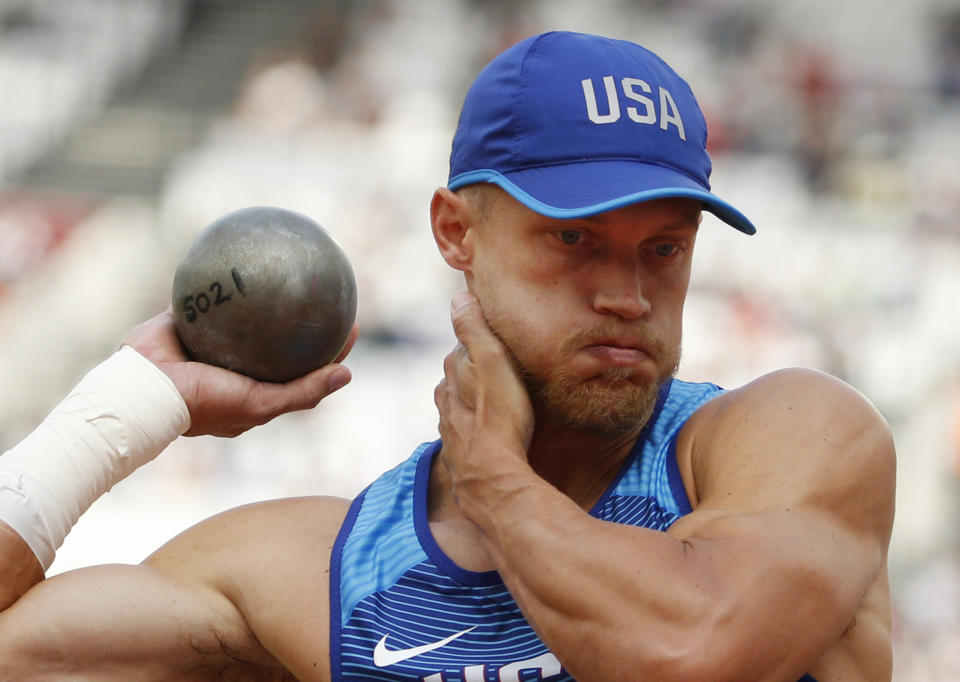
572,125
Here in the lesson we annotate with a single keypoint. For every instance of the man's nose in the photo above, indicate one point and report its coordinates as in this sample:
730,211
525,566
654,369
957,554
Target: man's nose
620,291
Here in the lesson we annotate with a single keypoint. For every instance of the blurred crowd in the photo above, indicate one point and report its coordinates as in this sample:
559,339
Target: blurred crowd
60,62
835,126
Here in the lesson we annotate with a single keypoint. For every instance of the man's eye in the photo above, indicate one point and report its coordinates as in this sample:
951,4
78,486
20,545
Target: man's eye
666,249
570,236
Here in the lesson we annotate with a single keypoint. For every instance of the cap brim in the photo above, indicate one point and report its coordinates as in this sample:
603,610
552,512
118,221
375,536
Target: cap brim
578,190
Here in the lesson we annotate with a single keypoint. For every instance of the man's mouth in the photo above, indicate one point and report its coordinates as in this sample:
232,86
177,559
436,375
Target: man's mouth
621,353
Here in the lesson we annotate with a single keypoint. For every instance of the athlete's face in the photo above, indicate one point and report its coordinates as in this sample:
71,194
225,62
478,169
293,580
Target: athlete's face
590,308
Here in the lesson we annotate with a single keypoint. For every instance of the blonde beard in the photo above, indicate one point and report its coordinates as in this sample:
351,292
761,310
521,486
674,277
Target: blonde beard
611,403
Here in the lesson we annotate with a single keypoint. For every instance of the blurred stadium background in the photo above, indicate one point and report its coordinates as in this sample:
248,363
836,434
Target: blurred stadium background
126,126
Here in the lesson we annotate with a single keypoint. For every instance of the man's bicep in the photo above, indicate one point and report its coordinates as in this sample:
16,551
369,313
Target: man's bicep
116,622
802,447
774,559
784,585
797,439
794,503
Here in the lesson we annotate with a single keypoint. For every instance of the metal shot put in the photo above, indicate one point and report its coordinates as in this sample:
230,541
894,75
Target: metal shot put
266,292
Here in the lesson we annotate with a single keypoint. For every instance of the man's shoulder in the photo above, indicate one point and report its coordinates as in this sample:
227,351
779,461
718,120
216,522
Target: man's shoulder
789,397
798,425
258,532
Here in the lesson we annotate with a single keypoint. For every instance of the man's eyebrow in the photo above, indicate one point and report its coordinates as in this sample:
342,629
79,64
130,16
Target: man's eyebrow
686,224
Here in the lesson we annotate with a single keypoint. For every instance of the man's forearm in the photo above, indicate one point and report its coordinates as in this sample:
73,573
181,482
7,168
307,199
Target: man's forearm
714,601
586,585
120,416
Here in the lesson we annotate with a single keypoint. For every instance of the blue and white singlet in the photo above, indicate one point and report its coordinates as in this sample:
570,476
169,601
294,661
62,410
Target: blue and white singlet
402,610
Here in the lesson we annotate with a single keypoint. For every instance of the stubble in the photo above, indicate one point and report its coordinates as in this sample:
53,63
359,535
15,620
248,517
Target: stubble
611,403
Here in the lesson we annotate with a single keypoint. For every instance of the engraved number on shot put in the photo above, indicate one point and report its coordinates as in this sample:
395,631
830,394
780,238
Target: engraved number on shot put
200,303
236,280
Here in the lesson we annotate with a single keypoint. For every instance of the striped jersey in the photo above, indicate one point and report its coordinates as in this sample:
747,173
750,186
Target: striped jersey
401,609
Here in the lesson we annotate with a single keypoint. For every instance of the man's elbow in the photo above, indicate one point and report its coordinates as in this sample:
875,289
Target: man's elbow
725,644
688,645
707,657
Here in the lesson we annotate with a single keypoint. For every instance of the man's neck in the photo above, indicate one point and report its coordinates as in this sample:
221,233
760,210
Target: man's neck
580,465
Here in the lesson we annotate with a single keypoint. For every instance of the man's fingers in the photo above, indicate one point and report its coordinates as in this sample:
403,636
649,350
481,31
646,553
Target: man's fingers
307,391
467,316
459,375
469,323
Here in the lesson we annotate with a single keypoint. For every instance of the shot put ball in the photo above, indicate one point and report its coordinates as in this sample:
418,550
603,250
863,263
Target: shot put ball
265,292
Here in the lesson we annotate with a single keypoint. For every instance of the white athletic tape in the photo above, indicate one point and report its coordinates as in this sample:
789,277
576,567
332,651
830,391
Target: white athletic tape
119,417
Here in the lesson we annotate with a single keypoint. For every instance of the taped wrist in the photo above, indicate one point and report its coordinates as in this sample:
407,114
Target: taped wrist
119,417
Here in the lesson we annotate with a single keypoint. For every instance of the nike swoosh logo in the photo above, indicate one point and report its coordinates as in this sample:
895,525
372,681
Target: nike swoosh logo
382,656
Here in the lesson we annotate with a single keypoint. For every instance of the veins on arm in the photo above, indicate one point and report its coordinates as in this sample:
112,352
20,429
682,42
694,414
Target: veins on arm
219,660
222,662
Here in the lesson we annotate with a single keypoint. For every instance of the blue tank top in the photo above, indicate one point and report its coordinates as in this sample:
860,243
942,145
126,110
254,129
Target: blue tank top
402,610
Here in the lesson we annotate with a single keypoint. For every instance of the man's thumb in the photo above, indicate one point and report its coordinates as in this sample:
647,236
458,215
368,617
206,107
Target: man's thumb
465,312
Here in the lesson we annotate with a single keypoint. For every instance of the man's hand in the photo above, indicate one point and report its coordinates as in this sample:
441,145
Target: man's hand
483,404
225,403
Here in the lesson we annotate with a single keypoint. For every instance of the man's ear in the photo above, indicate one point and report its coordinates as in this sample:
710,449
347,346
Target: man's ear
452,217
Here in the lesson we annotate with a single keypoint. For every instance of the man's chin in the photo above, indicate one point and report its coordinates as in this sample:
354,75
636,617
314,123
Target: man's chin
603,406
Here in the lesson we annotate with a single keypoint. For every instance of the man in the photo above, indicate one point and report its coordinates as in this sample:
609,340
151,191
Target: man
585,515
